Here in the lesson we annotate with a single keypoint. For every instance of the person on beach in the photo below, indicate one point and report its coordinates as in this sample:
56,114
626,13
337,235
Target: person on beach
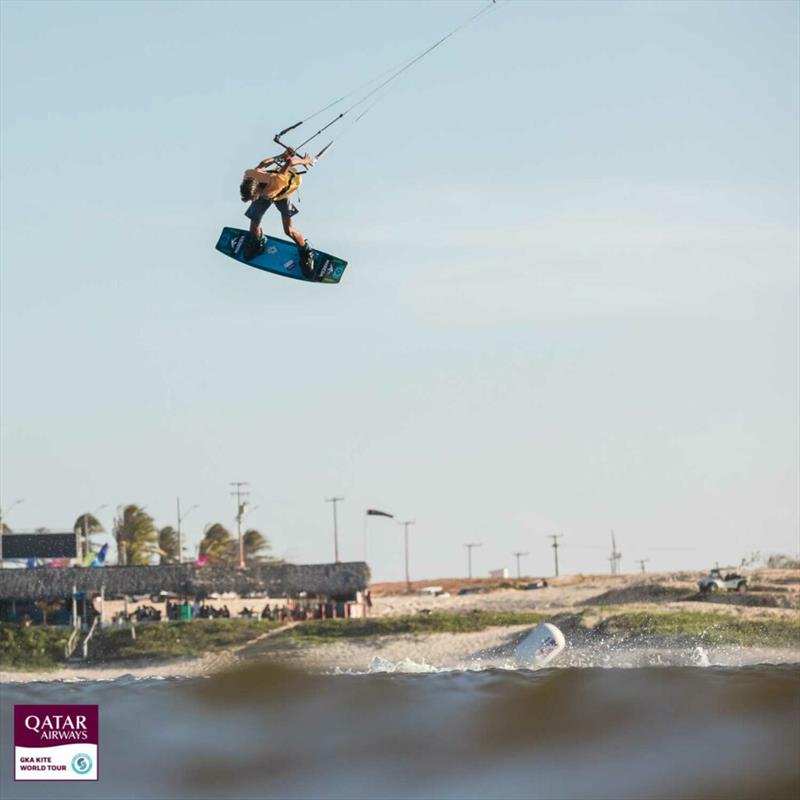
263,187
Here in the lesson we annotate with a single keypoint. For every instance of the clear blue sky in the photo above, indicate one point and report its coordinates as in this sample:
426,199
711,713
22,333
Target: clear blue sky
571,305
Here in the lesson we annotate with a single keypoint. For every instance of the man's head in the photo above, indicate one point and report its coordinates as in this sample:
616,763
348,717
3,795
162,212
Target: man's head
248,189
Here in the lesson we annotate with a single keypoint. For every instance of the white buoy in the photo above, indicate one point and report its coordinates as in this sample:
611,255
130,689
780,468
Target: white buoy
541,646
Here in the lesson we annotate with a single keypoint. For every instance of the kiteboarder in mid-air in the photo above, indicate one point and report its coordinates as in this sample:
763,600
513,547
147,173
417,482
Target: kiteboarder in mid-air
275,179
263,187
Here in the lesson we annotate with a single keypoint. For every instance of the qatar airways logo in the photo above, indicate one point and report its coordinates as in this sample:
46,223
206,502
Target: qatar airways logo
56,742
59,727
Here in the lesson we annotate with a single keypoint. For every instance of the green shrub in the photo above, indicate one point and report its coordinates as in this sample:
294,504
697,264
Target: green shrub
34,646
709,628
328,629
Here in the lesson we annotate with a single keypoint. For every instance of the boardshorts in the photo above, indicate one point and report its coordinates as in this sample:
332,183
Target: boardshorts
257,209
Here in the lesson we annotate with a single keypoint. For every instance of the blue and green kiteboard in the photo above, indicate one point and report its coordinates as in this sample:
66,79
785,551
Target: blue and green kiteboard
280,257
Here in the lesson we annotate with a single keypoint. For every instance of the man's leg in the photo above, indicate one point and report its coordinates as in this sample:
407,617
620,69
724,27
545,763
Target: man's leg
292,232
306,253
255,242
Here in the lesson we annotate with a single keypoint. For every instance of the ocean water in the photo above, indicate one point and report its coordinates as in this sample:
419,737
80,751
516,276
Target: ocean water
408,730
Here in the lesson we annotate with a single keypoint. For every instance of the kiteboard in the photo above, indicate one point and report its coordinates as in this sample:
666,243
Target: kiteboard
280,257
540,647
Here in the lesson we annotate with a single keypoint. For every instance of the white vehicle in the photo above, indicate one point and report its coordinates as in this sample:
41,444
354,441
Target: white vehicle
433,591
715,582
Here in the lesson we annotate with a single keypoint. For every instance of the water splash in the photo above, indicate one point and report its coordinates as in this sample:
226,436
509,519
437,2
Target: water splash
599,654
700,657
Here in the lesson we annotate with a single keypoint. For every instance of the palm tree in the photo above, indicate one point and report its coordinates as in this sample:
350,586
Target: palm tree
168,545
136,535
218,545
256,547
84,527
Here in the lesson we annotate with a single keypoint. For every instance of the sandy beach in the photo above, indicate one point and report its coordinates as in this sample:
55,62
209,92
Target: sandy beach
567,600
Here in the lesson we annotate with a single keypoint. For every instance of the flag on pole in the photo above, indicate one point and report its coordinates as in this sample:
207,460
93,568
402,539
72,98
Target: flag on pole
373,512
100,558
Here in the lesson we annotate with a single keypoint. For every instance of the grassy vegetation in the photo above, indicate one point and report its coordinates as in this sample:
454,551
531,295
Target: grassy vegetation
706,627
325,630
42,646
174,639
35,647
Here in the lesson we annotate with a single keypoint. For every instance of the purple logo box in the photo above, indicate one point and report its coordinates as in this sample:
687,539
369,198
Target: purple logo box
52,725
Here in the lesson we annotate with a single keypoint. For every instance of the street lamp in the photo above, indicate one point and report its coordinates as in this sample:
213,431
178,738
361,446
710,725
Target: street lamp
334,501
4,511
181,518
405,526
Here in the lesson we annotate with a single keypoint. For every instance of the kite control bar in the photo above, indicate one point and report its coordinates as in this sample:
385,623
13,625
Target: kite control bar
277,137
291,151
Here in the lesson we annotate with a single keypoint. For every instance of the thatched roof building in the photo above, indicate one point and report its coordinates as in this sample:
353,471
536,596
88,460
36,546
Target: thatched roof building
275,580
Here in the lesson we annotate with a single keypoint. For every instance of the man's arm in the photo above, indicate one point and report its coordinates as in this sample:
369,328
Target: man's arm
286,159
267,162
295,160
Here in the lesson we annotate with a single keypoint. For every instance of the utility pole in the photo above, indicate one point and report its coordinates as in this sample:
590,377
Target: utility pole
335,500
641,562
469,557
405,525
181,518
615,556
3,512
555,537
517,556
241,496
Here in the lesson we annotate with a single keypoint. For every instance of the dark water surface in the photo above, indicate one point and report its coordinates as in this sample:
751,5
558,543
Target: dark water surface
263,731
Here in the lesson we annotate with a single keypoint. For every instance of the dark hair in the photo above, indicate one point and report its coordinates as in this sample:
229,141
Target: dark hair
248,189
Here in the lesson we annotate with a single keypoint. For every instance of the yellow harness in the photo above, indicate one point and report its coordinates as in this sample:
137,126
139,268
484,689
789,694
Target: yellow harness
292,184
